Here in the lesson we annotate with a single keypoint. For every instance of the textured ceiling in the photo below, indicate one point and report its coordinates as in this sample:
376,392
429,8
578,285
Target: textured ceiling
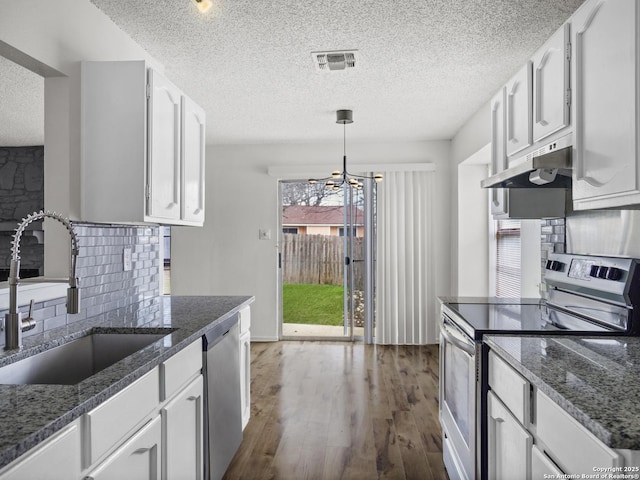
21,106
425,65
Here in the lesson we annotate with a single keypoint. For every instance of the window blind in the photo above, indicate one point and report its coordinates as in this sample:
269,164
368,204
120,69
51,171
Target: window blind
508,258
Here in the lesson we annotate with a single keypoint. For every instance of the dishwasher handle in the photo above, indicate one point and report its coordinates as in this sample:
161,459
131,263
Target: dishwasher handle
210,342
216,334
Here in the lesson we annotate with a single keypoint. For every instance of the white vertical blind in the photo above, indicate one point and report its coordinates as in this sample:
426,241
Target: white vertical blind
405,294
508,258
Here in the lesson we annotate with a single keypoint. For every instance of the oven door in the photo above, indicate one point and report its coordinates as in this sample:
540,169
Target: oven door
458,407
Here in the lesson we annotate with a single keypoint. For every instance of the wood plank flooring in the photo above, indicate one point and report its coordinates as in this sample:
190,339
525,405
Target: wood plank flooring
337,410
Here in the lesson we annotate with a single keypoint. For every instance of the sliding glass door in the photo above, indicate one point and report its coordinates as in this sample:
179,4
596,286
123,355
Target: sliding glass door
326,261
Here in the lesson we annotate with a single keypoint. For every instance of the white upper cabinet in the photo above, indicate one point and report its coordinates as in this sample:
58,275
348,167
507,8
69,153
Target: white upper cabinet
142,147
164,166
605,72
518,103
551,89
193,153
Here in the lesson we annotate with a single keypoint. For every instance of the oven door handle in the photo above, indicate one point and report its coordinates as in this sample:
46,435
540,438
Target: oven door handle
457,340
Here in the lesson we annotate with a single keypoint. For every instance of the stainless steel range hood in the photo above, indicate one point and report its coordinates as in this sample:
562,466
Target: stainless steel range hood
546,167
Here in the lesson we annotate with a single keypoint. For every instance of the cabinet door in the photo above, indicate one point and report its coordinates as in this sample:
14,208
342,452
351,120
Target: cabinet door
551,94
605,40
138,458
163,166
56,458
245,377
543,467
193,154
509,449
182,433
499,204
518,102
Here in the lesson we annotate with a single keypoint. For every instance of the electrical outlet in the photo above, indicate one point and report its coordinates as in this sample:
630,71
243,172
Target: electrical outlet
126,259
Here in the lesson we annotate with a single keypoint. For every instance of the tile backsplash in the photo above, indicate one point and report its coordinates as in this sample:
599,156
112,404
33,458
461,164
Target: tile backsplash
106,289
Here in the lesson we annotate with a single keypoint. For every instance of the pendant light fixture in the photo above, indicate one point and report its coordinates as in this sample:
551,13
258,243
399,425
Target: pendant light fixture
339,178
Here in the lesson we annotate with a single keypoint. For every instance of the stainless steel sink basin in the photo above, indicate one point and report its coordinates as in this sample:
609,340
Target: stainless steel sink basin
77,360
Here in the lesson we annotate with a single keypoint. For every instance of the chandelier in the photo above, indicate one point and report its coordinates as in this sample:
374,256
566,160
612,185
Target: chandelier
339,178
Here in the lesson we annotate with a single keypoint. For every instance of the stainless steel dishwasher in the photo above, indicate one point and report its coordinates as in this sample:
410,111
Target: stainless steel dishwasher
223,415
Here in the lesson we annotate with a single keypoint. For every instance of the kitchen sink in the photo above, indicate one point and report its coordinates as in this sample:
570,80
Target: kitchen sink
72,362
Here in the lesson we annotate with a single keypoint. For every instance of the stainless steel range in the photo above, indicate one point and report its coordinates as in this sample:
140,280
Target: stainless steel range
587,295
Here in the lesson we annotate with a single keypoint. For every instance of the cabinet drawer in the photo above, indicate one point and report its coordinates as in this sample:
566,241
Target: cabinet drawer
244,319
180,368
138,458
572,447
512,389
109,423
57,458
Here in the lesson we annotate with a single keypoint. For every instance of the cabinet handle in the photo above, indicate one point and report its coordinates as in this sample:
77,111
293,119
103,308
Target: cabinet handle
510,136
538,92
177,163
192,398
202,153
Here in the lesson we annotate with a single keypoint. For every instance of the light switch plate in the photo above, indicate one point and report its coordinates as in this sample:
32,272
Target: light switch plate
126,257
264,234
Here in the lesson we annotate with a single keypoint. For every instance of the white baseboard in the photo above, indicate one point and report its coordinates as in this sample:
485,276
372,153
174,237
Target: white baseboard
264,339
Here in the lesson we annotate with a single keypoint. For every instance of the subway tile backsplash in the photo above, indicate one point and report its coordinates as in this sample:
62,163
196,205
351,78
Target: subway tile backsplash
106,289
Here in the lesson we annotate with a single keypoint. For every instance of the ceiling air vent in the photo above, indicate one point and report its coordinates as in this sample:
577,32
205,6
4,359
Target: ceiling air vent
336,60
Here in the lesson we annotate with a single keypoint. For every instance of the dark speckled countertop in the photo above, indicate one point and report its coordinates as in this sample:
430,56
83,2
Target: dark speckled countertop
596,380
31,413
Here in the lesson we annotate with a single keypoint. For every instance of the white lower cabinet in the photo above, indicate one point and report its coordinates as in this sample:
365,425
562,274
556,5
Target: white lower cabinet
510,443
573,448
57,458
138,458
182,433
152,429
540,438
245,365
131,407
541,465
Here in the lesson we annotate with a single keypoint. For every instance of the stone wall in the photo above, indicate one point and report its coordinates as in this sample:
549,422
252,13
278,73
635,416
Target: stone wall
21,193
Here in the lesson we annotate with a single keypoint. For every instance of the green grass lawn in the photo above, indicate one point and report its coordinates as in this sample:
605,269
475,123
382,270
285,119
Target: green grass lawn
312,304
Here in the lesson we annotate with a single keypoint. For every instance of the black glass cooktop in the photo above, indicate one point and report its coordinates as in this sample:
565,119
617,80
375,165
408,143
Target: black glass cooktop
477,319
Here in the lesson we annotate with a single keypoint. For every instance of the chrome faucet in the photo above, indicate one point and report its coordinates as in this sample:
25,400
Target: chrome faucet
14,324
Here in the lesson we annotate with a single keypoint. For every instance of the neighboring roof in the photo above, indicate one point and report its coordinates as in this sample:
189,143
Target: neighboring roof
322,215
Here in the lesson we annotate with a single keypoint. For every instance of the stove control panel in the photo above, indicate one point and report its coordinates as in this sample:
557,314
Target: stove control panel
600,277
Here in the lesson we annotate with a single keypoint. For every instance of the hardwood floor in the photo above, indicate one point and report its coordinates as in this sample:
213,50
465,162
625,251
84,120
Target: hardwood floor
337,410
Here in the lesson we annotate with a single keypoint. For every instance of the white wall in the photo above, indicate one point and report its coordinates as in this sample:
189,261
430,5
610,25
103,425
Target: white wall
473,231
227,258
530,258
471,138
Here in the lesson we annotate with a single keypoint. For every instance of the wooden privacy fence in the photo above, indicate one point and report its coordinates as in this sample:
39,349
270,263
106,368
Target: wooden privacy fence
317,259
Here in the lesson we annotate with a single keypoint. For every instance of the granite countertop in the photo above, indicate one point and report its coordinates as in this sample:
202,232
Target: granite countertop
32,413
595,379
